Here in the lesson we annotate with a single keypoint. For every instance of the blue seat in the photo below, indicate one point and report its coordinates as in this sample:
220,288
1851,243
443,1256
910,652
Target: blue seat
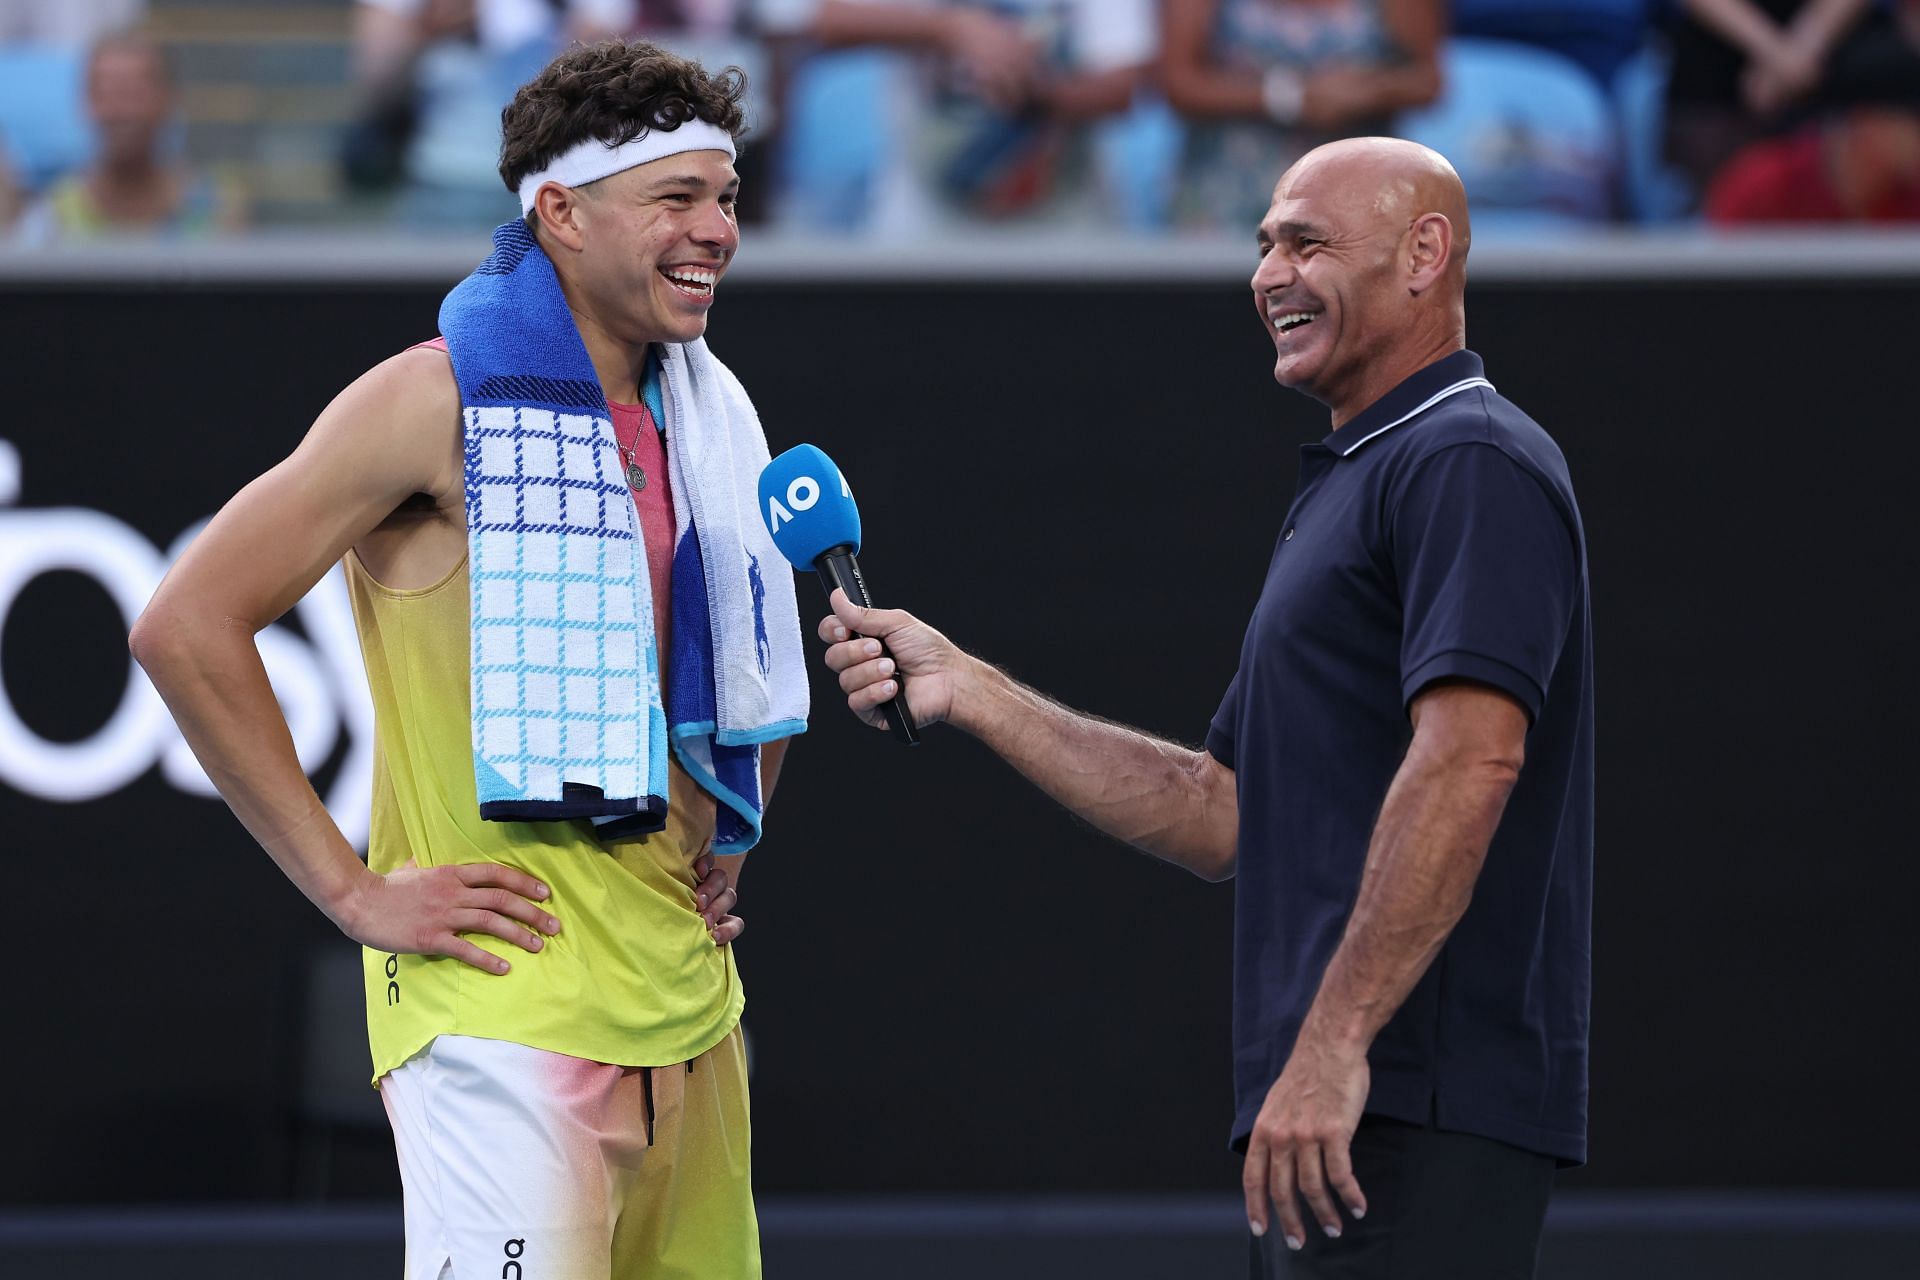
1600,35
43,125
1651,190
1531,133
840,135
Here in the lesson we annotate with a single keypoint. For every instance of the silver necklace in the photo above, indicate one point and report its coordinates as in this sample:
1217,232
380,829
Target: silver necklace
636,478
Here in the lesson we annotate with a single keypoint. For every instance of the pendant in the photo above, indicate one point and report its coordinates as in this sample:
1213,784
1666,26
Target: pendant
636,478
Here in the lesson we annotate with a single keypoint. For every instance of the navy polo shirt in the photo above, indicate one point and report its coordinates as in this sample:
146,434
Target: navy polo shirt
1433,537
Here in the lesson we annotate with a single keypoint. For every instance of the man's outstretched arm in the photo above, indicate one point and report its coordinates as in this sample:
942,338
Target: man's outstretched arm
1168,800
393,433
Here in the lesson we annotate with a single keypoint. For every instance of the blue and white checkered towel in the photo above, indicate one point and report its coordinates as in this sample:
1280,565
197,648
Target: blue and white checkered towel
571,716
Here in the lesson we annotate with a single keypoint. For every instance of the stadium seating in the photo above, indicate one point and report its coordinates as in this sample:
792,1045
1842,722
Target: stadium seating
43,132
1531,132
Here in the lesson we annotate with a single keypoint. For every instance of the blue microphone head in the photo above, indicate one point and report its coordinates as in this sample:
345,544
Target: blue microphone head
807,505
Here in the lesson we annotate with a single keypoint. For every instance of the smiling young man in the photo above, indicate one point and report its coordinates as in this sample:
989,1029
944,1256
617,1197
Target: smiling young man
536,514
1400,777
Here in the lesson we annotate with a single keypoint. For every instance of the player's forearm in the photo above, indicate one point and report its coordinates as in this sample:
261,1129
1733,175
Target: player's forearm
210,675
1428,846
1160,797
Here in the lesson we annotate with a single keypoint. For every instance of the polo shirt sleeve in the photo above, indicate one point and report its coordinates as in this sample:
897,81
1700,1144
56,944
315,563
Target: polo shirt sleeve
1488,573
1220,731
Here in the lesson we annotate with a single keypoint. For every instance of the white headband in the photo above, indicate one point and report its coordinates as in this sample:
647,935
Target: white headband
593,159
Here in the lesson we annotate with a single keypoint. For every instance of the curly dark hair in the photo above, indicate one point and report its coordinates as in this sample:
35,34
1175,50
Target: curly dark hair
614,91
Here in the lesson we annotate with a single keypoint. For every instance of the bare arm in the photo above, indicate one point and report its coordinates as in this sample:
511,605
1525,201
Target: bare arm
1822,24
1090,95
391,434
934,28
1416,28
1428,846
385,45
1426,853
1171,801
1741,24
1193,84
1785,64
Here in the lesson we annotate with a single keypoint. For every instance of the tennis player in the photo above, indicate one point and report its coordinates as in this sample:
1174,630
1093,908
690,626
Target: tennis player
553,1005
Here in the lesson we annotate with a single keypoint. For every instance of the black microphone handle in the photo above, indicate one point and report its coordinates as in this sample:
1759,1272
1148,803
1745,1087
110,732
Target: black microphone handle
838,568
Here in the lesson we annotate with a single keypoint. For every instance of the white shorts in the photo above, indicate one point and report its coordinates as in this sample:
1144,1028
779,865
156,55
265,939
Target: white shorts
528,1165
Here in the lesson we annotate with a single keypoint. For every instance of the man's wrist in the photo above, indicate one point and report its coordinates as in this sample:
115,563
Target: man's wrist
974,685
343,901
1342,1032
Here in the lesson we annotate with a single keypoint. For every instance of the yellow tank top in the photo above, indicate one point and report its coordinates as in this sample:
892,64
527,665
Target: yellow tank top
632,979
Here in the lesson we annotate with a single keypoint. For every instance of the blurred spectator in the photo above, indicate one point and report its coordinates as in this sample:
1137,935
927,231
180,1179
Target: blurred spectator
133,186
1860,167
757,36
986,51
433,76
388,42
1745,69
1263,81
74,23
1010,108
1012,78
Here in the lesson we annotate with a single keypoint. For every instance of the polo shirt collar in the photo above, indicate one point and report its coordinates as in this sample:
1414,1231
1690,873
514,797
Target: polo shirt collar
1446,376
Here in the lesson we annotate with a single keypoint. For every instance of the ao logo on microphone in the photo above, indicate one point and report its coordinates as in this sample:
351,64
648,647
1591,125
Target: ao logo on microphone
802,493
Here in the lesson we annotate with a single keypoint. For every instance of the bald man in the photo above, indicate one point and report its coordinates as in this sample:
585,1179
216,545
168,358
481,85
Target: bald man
1400,777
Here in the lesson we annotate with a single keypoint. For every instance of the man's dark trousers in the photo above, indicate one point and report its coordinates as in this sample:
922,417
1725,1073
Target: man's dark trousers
1440,1206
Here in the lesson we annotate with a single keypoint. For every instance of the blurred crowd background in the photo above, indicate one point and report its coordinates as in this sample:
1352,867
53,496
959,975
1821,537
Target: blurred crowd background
201,118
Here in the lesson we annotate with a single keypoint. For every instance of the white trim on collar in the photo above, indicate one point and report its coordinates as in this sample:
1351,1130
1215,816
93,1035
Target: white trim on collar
592,160
1432,400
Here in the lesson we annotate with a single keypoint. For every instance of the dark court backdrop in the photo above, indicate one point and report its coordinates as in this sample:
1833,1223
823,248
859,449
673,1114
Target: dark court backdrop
951,985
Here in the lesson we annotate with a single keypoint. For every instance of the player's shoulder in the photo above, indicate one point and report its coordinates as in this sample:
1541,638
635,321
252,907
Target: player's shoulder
400,416
410,394
417,380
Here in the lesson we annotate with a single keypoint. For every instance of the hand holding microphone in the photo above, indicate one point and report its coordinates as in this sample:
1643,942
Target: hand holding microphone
809,510
875,651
